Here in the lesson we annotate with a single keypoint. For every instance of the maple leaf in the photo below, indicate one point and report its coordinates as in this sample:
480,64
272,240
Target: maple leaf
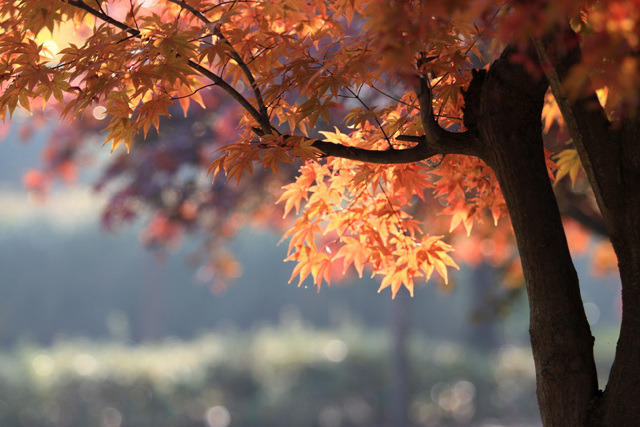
150,111
569,164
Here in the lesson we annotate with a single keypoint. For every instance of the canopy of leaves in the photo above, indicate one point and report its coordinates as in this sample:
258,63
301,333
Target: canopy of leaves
344,90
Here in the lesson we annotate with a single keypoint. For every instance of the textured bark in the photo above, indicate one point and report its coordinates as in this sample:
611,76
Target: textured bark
621,397
610,154
507,120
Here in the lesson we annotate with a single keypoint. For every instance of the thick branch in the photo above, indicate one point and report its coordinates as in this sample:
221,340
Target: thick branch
265,126
585,118
436,135
453,143
409,155
437,138
431,127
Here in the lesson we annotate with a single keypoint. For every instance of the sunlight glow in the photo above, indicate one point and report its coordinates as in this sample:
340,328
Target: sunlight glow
147,3
42,365
218,416
49,49
99,112
336,351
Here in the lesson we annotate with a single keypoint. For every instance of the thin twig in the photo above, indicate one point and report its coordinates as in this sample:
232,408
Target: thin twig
265,126
133,15
398,100
375,117
194,92
234,55
478,37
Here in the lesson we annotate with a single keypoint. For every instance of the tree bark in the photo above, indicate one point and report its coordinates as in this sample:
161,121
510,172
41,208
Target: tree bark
507,119
620,403
610,155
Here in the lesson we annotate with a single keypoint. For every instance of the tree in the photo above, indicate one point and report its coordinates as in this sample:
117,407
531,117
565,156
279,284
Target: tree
441,101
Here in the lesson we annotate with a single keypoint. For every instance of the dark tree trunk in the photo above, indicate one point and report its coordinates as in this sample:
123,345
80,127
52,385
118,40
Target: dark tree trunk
401,313
507,118
610,155
620,405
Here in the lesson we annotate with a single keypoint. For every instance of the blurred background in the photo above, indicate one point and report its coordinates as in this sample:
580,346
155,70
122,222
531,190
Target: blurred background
97,330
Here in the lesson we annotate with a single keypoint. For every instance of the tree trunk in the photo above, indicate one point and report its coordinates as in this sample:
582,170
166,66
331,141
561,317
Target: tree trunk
610,155
620,403
507,118
400,401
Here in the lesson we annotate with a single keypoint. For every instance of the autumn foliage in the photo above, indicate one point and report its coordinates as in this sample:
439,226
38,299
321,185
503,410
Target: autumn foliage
294,66
397,116
297,69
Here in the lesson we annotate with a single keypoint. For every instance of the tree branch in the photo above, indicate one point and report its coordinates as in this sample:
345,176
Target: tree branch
195,12
454,143
264,114
106,18
265,127
609,155
436,137
409,155
585,118
438,141
429,123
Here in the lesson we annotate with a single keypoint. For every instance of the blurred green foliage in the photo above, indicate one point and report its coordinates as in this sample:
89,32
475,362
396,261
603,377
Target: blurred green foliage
288,375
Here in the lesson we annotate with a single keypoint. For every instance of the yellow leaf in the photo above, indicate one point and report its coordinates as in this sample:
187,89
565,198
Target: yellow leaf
569,163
